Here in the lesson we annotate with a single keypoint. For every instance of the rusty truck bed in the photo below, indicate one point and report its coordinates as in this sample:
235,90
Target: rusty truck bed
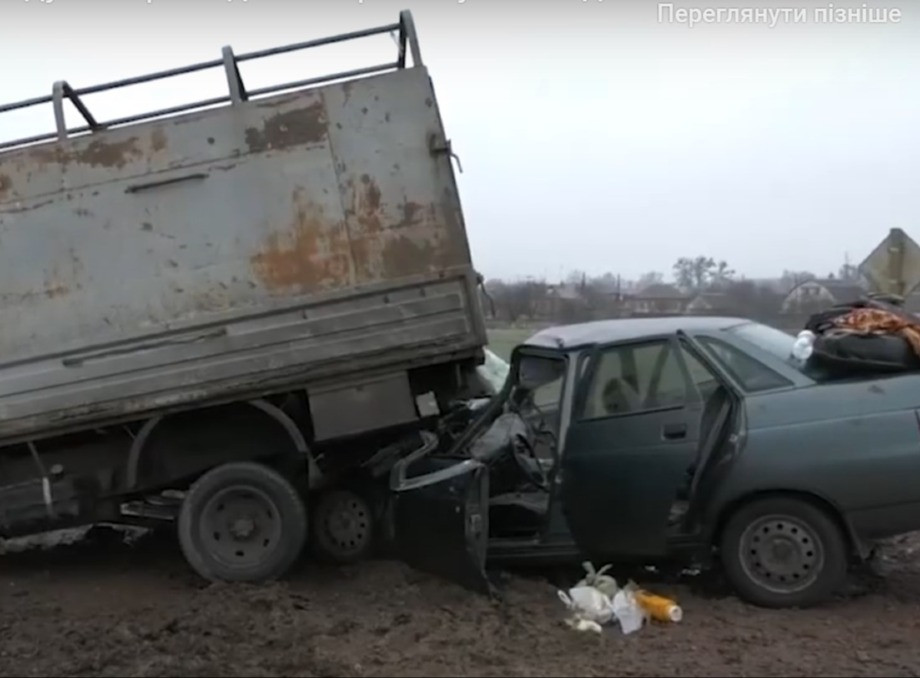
204,255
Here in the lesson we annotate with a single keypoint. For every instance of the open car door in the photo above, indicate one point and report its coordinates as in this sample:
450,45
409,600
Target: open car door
630,447
440,516
722,425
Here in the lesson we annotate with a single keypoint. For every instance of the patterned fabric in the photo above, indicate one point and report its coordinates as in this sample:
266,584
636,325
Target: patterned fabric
878,321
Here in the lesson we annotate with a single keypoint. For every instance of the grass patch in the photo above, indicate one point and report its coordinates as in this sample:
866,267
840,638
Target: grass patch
502,341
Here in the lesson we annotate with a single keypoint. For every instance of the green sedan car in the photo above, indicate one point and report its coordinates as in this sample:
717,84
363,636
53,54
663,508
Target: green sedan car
694,440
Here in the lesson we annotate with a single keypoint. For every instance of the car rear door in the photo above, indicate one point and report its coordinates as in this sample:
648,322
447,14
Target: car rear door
631,442
439,516
724,406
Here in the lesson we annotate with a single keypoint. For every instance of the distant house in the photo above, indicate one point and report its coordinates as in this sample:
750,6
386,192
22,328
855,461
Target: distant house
608,298
812,295
564,300
709,303
657,299
775,285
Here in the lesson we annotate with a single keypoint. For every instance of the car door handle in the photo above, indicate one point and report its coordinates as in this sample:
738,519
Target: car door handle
674,431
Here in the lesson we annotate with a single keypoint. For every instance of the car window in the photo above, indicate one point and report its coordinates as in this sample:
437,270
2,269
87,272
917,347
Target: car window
766,338
751,374
701,376
543,378
635,378
548,395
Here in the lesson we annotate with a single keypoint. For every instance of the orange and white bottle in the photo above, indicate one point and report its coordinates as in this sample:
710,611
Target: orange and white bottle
659,608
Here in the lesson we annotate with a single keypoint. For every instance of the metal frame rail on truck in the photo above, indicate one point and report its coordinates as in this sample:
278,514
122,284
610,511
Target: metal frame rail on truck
221,314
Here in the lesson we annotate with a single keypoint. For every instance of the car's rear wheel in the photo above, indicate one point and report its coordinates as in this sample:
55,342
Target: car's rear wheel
784,552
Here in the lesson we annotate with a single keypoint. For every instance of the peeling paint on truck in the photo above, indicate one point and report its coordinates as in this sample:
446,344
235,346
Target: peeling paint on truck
300,233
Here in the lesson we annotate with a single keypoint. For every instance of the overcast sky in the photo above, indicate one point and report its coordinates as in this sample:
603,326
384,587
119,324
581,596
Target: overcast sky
592,135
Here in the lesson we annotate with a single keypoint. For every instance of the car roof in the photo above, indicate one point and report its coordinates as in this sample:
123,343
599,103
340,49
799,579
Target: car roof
565,337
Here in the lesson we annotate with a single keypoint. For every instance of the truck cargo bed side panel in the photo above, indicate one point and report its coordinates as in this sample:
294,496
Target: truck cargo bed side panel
403,216
230,251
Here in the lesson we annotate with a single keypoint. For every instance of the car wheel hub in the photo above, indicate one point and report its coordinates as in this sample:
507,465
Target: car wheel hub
348,525
781,554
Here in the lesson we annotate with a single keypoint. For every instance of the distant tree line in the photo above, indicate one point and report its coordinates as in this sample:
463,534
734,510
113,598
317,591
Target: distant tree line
578,296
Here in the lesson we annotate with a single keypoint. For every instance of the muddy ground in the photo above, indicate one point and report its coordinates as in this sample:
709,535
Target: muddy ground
102,607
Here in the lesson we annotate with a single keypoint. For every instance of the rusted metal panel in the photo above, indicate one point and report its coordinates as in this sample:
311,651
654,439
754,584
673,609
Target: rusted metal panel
403,215
229,251
279,123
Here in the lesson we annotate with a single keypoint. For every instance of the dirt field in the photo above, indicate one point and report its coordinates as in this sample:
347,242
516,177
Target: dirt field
101,607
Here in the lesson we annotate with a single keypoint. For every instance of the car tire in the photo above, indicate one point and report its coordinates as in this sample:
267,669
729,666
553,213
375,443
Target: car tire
242,522
784,552
343,527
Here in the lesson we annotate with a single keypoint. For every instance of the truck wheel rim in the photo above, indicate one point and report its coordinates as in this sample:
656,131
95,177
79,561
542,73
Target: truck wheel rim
241,526
347,525
781,554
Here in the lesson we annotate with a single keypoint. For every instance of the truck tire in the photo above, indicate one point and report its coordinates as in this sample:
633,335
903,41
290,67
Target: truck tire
343,527
242,522
784,552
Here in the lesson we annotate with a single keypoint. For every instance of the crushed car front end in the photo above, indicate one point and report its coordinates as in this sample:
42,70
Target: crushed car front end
480,486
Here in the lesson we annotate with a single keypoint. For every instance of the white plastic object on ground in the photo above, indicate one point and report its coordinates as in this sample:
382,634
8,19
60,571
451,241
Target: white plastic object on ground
587,602
584,625
596,578
628,611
